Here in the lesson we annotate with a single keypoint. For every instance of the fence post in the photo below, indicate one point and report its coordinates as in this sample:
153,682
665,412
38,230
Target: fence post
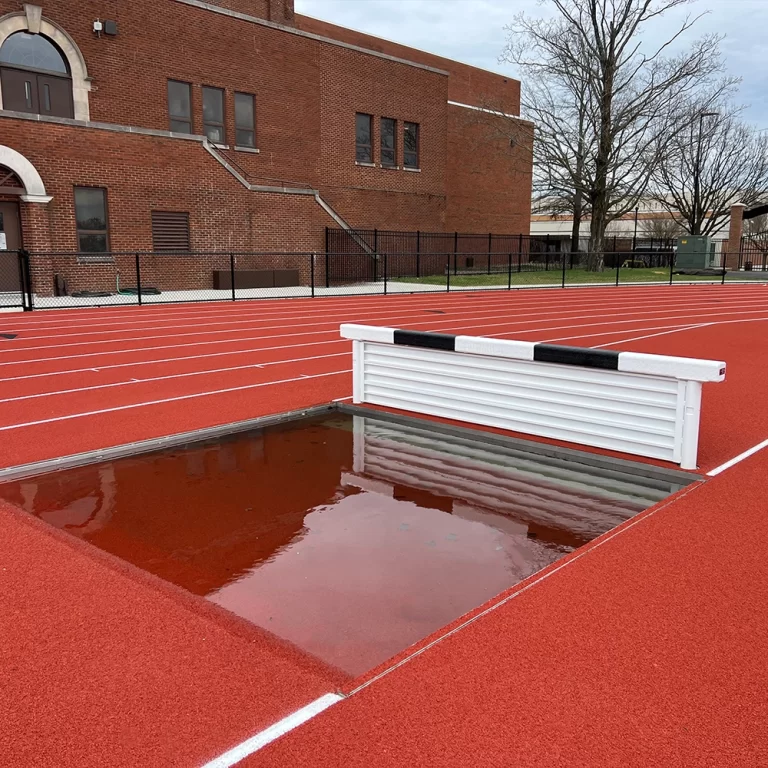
455,250
725,269
564,265
618,262
28,273
232,273
418,253
671,266
312,273
138,277
327,272
23,287
385,273
490,238
509,271
448,273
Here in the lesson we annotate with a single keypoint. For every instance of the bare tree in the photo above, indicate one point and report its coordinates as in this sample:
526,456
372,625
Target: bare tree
591,56
757,225
718,161
664,228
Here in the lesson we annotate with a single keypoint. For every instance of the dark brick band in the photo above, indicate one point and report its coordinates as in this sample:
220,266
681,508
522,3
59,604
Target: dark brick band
587,358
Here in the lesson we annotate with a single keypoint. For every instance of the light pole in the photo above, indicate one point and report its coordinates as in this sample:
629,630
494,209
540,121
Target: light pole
634,237
696,223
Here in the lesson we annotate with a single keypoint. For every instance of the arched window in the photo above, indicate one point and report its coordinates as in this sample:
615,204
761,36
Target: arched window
35,76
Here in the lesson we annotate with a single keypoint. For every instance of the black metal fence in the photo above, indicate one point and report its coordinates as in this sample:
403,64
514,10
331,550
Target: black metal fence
57,280
15,280
753,253
338,240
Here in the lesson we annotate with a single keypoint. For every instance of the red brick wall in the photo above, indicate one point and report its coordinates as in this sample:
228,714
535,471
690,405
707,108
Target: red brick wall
307,93
489,163
279,11
467,85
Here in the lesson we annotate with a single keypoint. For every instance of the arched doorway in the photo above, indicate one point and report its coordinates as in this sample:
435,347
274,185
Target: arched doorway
35,76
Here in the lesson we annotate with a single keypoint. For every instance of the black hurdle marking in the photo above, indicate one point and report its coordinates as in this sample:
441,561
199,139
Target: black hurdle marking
428,340
587,358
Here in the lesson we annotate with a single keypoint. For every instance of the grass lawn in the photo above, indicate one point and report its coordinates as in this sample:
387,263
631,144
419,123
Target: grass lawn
554,277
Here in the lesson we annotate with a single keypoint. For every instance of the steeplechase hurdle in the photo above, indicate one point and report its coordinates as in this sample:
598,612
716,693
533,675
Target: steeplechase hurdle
646,405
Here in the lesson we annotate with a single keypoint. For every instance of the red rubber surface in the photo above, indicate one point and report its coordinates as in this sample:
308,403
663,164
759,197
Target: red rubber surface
627,655
646,651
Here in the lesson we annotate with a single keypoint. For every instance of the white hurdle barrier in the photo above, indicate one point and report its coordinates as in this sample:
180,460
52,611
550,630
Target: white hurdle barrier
646,405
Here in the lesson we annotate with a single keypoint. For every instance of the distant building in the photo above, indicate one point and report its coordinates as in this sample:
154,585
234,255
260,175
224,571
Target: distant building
645,228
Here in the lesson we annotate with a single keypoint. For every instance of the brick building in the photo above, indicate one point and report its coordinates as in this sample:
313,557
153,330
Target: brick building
239,125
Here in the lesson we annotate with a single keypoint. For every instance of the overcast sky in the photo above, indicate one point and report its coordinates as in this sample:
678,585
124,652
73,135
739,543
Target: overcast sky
472,31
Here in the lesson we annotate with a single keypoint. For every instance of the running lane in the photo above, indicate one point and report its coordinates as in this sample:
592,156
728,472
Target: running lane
646,648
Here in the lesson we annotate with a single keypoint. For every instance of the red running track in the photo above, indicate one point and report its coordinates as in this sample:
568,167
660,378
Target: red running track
106,666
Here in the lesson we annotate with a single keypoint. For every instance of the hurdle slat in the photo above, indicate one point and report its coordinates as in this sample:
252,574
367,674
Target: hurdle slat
647,405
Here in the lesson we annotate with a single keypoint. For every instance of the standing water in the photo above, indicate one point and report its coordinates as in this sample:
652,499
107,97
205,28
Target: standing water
351,537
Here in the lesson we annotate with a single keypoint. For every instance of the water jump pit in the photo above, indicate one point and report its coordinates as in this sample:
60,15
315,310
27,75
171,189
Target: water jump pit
349,533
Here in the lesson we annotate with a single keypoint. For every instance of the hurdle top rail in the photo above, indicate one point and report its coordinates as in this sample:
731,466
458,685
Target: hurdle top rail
642,404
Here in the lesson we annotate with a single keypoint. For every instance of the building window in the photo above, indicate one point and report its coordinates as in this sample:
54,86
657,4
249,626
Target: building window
91,218
411,145
245,120
363,138
180,106
35,76
170,231
388,142
213,115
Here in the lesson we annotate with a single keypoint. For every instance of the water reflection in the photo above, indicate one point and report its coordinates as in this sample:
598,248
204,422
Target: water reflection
350,537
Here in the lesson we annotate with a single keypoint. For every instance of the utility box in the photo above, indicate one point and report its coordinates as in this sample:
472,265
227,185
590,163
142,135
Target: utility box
694,252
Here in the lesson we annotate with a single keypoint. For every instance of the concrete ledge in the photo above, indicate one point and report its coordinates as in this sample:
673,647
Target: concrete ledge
114,127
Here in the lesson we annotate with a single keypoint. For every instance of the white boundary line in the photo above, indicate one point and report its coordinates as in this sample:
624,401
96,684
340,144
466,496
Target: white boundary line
98,369
280,728
166,378
736,459
469,313
169,312
456,324
130,406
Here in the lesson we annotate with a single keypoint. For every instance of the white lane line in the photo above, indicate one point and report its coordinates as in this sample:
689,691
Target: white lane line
488,303
675,329
176,346
90,369
280,728
195,321
462,324
54,419
468,314
167,377
736,459
152,313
